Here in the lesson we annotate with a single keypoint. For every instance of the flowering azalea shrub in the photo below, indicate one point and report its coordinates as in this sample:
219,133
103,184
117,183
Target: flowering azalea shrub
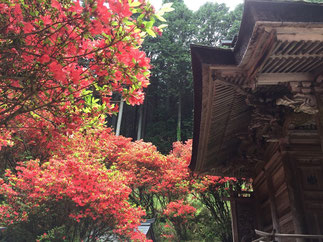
179,209
58,56
74,177
179,213
149,168
71,194
95,184
212,192
59,48
62,62
183,150
87,186
208,194
5,138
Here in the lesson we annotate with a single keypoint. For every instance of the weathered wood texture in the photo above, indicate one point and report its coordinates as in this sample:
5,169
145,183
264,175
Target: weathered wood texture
305,162
289,190
243,218
272,192
262,115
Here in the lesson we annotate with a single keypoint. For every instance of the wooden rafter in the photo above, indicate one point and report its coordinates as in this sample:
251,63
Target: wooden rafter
276,78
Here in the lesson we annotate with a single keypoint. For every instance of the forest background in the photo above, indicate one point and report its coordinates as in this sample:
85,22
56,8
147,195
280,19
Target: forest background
167,113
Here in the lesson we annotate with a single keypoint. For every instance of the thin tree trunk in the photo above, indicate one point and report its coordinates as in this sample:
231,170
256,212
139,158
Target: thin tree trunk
119,117
144,120
134,127
140,122
179,119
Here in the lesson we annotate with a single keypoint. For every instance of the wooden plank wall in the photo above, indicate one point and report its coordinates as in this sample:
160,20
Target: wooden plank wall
271,190
308,168
289,188
311,181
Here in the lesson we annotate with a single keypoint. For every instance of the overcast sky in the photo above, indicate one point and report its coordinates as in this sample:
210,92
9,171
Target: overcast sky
195,4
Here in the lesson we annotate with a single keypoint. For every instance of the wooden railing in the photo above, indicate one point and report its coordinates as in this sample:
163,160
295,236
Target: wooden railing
270,237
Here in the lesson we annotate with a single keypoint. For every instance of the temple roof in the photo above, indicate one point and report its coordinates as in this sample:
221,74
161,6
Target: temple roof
279,43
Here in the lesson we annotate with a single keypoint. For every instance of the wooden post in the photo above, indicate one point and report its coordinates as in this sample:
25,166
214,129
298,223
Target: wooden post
292,183
234,222
259,219
273,207
319,116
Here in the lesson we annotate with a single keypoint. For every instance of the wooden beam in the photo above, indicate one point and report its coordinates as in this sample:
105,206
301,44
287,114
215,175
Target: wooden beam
289,26
300,36
262,57
297,56
275,78
257,49
305,236
229,68
298,32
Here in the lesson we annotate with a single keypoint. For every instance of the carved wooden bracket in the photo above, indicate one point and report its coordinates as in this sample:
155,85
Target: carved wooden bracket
305,103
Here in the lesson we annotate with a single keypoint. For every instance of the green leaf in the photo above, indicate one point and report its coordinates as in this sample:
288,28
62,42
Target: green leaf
167,7
134,4
160,18
149,24
150,32
129,23
162,26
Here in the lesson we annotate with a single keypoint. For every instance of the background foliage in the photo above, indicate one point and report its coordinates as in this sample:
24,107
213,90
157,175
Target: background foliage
168,107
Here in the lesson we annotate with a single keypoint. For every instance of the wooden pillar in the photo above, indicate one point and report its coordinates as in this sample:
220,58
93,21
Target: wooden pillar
319,116
273,206
292,182
234,219
259,219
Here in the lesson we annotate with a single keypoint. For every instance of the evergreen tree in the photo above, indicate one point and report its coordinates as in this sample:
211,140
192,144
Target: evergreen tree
170,93
169,110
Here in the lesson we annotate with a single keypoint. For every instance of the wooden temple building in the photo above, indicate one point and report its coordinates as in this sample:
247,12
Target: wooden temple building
258,114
